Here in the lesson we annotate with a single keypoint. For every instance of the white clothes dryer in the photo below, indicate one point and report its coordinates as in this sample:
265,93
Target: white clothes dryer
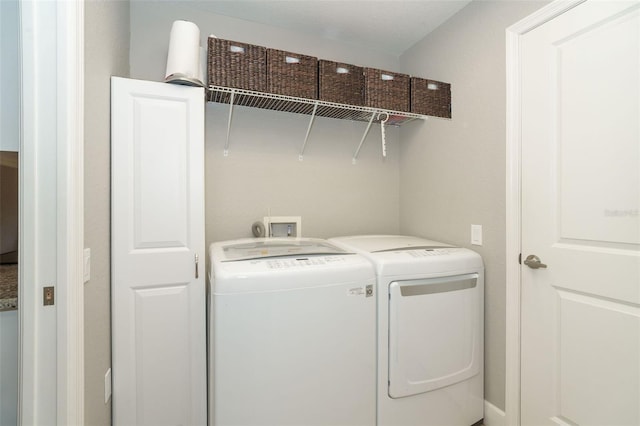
430,330
292,334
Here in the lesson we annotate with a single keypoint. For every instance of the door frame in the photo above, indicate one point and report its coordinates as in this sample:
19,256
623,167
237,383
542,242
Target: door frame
52,37
70,138
513,198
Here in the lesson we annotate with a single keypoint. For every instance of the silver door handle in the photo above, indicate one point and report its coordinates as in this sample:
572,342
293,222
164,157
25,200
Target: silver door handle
533,262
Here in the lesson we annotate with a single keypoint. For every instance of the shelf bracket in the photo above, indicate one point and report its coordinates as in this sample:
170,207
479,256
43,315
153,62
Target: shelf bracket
366,132
306,138
226,145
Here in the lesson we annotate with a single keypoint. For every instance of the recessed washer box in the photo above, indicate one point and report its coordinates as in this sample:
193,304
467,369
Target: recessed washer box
283,226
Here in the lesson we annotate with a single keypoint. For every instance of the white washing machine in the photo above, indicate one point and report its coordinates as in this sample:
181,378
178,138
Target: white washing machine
292,334
430,330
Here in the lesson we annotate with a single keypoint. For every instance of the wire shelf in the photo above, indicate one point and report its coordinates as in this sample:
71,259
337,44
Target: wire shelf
295,105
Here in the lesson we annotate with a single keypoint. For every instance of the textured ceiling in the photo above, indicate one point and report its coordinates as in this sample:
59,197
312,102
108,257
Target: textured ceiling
390,26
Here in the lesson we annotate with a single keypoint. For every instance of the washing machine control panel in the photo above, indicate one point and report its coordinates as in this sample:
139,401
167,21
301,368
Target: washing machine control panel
302,262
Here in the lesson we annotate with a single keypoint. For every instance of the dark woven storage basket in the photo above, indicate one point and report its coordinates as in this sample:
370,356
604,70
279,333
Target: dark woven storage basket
292,74
430,97
386,90
340,83
235,64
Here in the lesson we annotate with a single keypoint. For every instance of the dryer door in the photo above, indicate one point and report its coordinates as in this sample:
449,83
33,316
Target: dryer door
435,333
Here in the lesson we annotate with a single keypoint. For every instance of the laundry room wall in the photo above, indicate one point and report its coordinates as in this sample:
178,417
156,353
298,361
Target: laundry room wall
452,172
106,54
262,174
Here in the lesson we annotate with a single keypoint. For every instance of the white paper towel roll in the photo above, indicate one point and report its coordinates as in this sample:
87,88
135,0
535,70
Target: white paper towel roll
183,59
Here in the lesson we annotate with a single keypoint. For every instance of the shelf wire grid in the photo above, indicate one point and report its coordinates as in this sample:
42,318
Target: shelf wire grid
304,106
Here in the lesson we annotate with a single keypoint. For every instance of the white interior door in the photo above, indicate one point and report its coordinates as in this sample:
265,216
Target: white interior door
581,217
158,303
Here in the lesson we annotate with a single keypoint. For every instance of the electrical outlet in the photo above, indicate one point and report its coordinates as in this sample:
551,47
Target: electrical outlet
476,235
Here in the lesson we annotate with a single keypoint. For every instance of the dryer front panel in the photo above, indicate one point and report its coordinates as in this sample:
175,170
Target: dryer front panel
435,333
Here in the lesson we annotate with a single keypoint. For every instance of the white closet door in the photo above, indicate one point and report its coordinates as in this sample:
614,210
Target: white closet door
580,201
158,293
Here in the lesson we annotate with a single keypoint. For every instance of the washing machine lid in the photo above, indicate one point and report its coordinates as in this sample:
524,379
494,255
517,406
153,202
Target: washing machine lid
274,264
276,247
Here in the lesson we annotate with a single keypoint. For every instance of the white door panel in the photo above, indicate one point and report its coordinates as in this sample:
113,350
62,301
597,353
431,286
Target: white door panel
580,215
160,181
158,308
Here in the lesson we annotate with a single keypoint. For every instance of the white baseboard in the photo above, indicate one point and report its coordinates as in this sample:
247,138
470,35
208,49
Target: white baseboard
493,416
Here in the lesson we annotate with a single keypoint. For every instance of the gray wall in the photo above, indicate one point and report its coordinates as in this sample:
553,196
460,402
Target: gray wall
262,173
452,173
151,25
106,54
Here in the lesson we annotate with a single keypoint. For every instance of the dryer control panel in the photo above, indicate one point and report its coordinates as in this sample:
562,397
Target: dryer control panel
428,252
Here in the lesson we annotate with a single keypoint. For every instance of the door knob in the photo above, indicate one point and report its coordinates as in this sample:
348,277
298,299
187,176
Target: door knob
533,262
